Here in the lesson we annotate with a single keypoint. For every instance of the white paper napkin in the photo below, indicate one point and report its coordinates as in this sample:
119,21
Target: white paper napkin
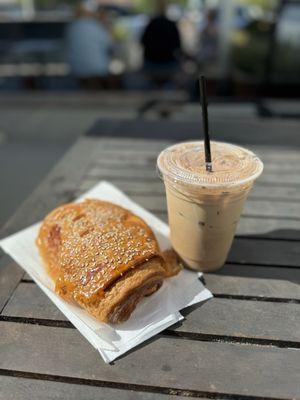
153,314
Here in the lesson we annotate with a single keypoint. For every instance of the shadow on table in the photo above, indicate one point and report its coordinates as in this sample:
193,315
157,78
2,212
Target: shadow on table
289,272
280,261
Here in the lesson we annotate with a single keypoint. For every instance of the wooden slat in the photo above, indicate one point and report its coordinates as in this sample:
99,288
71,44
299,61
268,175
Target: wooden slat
265,252
280,167
124,148
263,369
150,174
18,388
246,319
150,145
30,302
126,154
109,158
249,280
124,172
269,228
10,275
229,317
165,362
157,189
148,164
275,192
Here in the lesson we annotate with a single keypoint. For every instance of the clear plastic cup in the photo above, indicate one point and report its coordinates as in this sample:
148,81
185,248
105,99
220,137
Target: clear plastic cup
204,207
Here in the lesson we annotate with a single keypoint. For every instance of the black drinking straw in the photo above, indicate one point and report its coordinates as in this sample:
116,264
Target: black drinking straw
202,84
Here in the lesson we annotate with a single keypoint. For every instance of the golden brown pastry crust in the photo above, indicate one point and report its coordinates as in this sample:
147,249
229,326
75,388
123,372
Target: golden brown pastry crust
121,299
172,263
102,257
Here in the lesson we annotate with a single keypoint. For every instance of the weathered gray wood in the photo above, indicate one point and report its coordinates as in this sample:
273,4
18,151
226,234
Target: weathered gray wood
156,188
29,301
124,147
247,280
123,151
30,389
243,318
280,167
150,174
148,163
265,252
274,371
260,272
269,228
131,161
145,154
125,172
10,275
229,317
130,145
165,362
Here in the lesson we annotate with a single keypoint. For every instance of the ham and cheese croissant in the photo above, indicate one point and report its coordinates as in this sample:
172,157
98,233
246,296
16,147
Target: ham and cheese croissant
102,257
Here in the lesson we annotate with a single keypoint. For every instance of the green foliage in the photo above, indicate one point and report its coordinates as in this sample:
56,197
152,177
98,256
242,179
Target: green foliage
265,4
148,6
250,56
40,4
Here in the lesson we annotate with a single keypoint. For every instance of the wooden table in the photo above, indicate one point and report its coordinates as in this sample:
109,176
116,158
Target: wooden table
243,344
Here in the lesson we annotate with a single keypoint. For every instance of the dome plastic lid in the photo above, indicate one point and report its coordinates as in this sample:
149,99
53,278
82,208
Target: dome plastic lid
231,165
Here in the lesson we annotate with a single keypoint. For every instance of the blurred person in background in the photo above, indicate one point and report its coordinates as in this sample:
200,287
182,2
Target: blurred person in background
89,48
209,38
162,47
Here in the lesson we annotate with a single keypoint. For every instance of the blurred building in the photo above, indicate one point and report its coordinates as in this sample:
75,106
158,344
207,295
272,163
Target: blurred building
11,10
257,45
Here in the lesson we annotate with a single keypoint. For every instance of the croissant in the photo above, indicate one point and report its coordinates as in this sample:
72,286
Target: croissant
102,257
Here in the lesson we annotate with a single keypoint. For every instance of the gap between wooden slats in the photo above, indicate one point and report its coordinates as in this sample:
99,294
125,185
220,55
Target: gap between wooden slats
219,317
65,352
29,386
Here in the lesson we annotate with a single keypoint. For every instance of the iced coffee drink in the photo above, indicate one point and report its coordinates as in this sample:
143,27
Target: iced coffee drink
204,207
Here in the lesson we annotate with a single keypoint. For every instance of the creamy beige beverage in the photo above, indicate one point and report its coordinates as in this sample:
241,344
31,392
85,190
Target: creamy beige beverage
204,207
